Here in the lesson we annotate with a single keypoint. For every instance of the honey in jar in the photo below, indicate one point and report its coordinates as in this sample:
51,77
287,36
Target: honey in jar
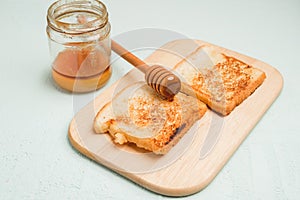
79,43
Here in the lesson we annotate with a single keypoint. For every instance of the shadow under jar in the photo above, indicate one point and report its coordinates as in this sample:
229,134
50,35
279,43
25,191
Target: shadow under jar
79,44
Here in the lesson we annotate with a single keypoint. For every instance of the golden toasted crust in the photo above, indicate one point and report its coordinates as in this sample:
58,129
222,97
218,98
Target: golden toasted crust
224,84
167,121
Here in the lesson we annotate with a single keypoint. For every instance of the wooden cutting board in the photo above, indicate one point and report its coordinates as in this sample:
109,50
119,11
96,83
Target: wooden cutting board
200,155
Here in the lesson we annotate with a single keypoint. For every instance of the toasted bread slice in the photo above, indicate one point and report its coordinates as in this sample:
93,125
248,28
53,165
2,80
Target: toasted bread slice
220,81
138,115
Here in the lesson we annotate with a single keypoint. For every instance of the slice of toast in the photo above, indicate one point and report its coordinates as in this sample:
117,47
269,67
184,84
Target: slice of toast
138,115
220,81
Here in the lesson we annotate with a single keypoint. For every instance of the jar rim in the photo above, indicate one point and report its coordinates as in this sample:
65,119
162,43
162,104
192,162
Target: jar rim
63,7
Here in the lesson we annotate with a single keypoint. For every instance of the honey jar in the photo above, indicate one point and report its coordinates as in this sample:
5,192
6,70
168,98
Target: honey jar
78,33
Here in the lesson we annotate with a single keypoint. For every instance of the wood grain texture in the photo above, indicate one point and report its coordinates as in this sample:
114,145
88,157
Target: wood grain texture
217,136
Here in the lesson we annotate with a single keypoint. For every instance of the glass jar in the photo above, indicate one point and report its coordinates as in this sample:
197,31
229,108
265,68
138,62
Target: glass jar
79,43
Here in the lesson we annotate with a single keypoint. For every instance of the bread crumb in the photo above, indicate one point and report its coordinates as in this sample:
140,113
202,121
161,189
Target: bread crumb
120,138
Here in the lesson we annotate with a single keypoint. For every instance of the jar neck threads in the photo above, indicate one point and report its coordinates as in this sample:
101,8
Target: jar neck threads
63,15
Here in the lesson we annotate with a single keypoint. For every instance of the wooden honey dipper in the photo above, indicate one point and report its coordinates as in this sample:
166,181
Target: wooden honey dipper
164,82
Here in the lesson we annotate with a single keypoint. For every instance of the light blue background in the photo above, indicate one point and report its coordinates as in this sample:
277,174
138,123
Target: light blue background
36,159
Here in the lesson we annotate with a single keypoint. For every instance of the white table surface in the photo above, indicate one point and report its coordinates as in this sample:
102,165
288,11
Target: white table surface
36,159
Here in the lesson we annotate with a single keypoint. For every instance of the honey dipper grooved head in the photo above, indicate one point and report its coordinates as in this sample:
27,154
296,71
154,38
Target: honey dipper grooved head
163,81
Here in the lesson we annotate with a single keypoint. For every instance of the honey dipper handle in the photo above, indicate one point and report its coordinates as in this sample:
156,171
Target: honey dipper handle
129,57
